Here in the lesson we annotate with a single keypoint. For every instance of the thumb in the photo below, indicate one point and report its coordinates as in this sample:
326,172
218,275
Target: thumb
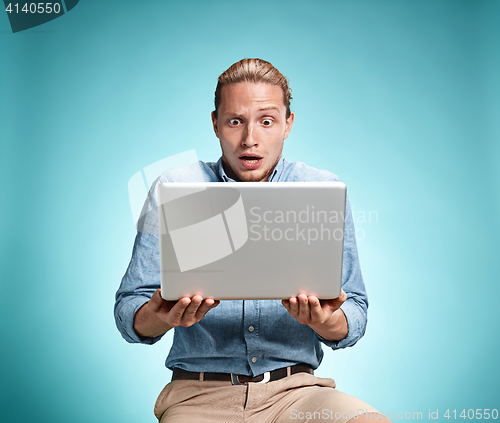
155,301
340,299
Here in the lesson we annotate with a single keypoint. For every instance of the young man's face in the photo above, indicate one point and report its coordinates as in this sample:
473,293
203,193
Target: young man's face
251,127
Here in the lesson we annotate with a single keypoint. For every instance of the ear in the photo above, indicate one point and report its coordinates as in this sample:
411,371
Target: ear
289,123
214,123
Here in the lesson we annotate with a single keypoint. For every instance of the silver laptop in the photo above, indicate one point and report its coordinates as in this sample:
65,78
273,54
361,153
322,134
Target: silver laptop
251,240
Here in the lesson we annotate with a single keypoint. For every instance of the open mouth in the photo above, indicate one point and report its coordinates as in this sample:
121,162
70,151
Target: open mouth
250,161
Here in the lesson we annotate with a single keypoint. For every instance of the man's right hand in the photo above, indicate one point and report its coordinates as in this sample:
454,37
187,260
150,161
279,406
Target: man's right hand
157,316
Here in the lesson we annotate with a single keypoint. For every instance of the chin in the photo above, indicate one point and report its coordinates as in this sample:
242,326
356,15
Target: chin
253,177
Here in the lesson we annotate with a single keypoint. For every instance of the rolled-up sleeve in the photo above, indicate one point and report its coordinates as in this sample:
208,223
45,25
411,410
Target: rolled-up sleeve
138,285
142,277
356,306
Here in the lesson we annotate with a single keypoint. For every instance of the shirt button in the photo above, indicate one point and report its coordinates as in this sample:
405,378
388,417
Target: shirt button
254,359
251,329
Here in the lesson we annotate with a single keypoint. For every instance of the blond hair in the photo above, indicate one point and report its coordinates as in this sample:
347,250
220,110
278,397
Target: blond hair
253,70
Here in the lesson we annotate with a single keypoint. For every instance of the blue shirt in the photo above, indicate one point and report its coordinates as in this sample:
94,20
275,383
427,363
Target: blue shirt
246,337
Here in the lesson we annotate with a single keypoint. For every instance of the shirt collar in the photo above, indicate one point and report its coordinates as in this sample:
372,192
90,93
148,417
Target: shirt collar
275,175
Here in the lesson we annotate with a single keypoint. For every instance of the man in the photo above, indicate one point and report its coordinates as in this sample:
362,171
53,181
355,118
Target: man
222,350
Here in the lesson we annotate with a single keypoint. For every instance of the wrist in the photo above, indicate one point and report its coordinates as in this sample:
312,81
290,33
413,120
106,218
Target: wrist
335,328
148,324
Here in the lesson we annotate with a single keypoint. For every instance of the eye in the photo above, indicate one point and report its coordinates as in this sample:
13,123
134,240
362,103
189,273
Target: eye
234,122
267,122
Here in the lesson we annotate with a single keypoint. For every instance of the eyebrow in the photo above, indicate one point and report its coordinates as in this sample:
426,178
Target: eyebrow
262,109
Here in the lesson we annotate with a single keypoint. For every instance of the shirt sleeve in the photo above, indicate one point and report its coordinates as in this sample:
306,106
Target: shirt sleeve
142,277
356,306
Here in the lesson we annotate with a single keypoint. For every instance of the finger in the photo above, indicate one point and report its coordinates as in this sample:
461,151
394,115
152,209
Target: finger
158,305
192,308
342,297
154,303
205,307
286,304
177,311
294,306
337,302
304,309
313,302
317,312
211,302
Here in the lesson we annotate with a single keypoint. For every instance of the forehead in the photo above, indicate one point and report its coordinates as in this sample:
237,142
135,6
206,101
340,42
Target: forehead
243,95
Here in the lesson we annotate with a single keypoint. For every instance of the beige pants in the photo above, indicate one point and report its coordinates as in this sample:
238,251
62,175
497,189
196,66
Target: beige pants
298,398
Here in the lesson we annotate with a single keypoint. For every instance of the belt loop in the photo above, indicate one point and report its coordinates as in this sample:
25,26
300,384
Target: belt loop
235,380
288,371
201,376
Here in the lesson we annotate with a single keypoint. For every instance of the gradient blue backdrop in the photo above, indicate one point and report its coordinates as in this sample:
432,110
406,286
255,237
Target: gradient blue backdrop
399,98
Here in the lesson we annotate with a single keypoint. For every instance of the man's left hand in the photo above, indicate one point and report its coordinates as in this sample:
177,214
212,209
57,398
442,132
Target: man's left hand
324,316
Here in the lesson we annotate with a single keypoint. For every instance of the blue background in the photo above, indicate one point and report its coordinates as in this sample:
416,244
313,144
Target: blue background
399,98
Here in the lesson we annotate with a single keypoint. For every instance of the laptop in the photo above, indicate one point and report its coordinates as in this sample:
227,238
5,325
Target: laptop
251,240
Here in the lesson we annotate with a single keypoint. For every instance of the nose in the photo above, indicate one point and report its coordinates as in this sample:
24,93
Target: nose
249,138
